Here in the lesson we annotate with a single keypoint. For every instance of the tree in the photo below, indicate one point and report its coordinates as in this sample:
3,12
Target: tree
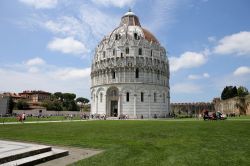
11,105
73,106
242,91
52,105
68,96
229,92
22,105
82,100
58,96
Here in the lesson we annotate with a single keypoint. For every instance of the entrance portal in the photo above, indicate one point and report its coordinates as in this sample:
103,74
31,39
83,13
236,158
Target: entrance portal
112,99
114,108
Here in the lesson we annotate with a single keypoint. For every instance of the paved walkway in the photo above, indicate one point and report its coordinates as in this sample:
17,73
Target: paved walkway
75,154
15,149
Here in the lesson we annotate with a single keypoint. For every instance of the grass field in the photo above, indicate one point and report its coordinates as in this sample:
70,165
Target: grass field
146,142
61,118
30,119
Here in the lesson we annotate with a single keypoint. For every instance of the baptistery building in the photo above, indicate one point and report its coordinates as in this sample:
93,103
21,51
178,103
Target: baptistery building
130,73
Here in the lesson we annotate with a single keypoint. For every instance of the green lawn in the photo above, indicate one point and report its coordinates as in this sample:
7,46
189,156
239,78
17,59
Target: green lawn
146,142
29,119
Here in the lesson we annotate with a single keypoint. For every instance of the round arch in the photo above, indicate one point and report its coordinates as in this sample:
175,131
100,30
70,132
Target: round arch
112,101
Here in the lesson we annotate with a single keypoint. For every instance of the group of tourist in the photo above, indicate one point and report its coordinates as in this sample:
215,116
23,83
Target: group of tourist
214,116
21,117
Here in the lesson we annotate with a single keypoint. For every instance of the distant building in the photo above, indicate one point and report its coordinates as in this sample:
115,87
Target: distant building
35,96
4,105
15,96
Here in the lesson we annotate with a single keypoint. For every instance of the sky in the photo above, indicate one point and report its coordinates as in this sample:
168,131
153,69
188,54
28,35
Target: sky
49,44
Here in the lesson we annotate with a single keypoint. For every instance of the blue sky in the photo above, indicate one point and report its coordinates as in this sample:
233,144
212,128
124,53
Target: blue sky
48,44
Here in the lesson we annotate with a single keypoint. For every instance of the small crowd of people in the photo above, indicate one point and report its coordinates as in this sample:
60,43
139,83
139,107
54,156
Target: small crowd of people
98,116
21,117
123,116
214,116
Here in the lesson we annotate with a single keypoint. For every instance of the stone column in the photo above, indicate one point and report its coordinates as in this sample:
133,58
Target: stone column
96,104
119,78
129,71
135,105
119,105
149,106
124,74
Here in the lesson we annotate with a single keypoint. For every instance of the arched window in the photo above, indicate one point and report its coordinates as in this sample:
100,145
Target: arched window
140,51
136,37
116,36
158,74
121,55
104,53
164,98
142,96
101,97
155,97
127,96
113,52
127,50
137,73
113,74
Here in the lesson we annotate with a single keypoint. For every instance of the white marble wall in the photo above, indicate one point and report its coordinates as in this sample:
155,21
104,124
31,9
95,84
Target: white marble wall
135,107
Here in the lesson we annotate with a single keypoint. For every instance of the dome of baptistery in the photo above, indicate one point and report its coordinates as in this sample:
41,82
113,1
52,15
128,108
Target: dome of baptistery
130,73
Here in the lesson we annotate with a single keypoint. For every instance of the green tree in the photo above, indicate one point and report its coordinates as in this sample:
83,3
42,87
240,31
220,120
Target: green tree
242,91
229,92
52,105
68,96
58,96
82,101
73,106
11,105
22,105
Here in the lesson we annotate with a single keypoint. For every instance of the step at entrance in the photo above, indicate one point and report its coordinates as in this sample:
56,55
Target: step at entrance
17,153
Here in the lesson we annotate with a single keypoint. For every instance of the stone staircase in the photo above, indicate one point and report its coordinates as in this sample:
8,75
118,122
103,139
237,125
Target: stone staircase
16,153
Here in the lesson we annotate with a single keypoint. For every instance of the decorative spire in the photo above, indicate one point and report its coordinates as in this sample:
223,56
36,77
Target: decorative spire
129,10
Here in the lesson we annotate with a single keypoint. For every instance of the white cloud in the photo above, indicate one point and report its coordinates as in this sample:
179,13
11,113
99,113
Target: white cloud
238,43
71,73
161,14
211,39
67,26
85,27
40,4
197,76
206,75
99,22
68,46
33,69
187,60
18,77
243,70
116,3
186,88
35,61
